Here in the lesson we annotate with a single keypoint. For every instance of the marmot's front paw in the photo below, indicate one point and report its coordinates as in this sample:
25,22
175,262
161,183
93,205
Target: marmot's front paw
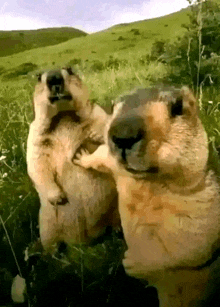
132,267
94,136
57,197
81,158
128,263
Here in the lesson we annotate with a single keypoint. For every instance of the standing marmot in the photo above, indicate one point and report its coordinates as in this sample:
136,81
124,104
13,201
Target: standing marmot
76,204
169,199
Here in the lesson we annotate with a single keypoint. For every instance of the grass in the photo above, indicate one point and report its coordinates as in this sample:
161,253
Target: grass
109,66
18,41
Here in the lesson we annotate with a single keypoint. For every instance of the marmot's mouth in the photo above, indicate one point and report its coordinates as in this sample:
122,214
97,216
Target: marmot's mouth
150,170
58,96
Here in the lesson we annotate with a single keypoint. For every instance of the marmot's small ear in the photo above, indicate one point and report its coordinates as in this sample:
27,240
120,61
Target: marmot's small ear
189,101
185,91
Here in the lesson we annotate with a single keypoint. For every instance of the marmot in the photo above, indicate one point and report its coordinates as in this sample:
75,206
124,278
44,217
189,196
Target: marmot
169,203
76,204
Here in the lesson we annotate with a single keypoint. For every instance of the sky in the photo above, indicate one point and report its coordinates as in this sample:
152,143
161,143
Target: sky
87,15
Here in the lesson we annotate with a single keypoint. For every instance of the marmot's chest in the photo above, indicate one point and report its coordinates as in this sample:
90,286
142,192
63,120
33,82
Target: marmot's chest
64,127
148,204
61,142
66,135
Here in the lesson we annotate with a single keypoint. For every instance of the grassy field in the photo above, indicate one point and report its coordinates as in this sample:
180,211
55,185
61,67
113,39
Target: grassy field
19,41
110,62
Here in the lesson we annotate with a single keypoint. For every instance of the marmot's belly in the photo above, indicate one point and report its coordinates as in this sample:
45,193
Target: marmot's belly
90,197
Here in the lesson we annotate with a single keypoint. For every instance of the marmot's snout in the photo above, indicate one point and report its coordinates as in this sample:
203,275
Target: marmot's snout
125,133
56,80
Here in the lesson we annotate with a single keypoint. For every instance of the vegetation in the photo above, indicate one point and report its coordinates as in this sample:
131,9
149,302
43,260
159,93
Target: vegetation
196,53
110,62
19,41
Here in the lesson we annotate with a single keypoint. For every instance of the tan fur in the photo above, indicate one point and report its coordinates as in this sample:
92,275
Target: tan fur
76,204
170,219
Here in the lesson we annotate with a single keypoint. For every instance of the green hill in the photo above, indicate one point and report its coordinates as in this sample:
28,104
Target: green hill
132,39
17,41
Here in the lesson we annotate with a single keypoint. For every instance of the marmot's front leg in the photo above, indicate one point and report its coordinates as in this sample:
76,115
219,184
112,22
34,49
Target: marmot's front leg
98,160
147,252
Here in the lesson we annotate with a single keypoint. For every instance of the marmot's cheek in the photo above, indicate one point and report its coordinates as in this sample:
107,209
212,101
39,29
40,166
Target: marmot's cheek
167,157
151,152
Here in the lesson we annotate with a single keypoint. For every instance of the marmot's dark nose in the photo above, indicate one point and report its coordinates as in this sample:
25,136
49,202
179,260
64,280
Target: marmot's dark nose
55,81
127,131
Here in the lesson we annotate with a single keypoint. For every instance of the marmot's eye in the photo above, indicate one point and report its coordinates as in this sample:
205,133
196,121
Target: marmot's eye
39,77
69,70
113,104
177,107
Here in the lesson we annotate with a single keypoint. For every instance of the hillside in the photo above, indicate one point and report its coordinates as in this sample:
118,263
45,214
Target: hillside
17,41
122,41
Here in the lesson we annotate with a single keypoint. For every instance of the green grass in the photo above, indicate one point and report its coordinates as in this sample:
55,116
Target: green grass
19,41
109,66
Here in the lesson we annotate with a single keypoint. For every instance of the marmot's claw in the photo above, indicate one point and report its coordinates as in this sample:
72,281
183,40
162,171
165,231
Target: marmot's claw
96,137
80,155
57,197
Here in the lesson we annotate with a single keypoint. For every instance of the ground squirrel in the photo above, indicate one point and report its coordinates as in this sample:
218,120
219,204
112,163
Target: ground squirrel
76,204
157,151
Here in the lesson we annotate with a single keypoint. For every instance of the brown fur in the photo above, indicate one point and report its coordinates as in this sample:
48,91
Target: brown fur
168,197
76,204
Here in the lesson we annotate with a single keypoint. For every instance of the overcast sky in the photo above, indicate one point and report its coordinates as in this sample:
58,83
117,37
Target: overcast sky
87,15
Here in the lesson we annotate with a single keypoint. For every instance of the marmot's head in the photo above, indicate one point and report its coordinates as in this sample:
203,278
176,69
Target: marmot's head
61,90
157,132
